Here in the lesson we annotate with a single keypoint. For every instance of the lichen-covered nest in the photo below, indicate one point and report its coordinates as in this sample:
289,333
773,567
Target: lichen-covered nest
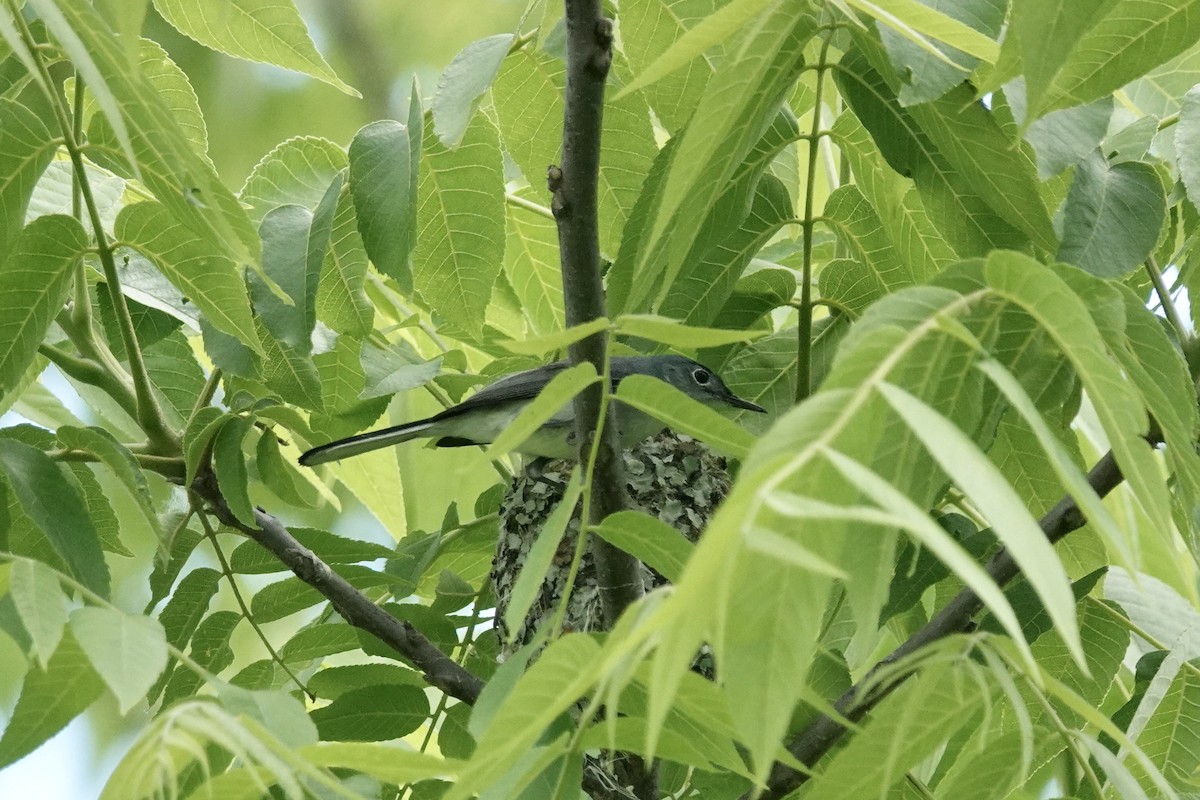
669,476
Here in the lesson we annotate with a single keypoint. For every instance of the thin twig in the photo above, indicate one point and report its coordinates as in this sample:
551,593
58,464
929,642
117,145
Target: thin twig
241,601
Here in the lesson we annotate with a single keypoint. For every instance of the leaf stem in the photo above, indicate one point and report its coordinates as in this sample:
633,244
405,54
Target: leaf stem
804,329
148,412
1165,300
517,201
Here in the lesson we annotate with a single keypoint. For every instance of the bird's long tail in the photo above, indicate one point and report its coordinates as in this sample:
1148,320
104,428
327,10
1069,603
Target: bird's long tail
365,442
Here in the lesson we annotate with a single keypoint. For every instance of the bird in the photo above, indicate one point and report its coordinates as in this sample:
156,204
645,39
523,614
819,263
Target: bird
479,419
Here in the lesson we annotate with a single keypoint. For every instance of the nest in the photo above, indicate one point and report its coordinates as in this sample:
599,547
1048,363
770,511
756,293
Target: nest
669,476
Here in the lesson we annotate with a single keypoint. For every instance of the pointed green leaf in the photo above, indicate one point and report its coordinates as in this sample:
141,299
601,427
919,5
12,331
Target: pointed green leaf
267,31
648,539
34,280
684,414
466,78
649,28
296,172
1133,37
285,244
42,605
459,250
117,458
995,498
373,714
206,277
675,334
26,148
384,159
128,651
146,128
1112,217
50,699
230,465
341,302
44,493
743,95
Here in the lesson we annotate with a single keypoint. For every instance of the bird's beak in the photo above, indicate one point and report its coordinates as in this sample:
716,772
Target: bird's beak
738,402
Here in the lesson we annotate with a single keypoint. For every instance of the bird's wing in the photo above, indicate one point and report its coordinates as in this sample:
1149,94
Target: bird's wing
518,386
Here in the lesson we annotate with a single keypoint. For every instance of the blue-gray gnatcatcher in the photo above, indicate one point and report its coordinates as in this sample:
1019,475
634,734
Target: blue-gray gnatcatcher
480,418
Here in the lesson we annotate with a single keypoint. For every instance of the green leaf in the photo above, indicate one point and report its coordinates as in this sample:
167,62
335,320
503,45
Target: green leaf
675,334
373,714
230,465
198,436
40,601
341,302
929,69
1187,145
649,28
648,539
146,128
285,597
913,20
280,475
128,651
286,261
267,31
175,374
176,90
714,29
289,372
49,699
210,650
1063,138
43,492
183,612
396,369
117,458
532,266
1045,33
551,686
1133,37
34,280
252,558
541,554
896,202
705,284
955,206
561,390
26,149
334,681
460,250
684,414
387,764
1050,301
320,641
559,340
997,500
906,728
296,172
384,162
739,99
1112,217
977,143
466,78
197,268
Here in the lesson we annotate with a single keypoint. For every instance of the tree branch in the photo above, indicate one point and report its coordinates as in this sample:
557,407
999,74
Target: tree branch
824,732
574,188
439,669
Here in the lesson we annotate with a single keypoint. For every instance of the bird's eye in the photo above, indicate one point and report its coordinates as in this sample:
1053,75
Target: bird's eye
701,376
